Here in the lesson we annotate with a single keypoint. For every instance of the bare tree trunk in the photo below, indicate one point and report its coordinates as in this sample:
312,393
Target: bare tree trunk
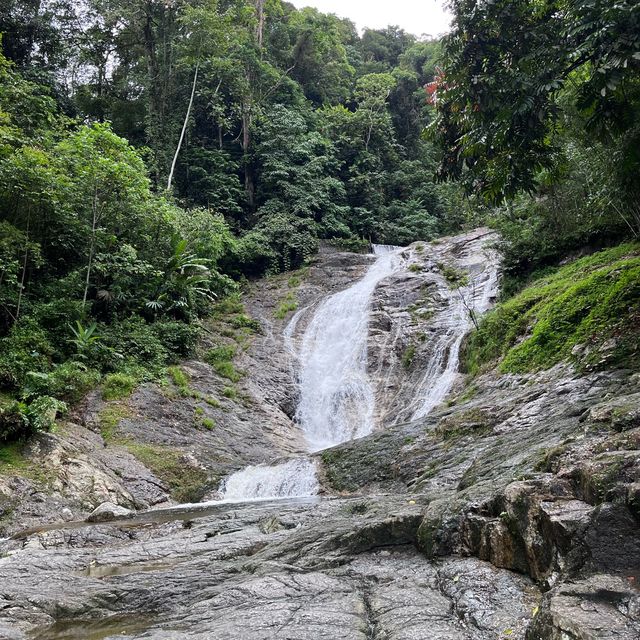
261,19
92,246
24,266
184,127
246,143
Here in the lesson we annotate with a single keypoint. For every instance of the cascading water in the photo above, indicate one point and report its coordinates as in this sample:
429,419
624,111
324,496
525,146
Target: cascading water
336,396
295,478
465,304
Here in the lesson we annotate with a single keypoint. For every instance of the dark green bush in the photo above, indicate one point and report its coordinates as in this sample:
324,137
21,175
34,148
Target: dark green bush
69,381
178,338
26,348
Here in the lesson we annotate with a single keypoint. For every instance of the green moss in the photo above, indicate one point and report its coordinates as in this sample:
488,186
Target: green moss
209,423
455,277
230,392
14,462
212,402
549,458
409,356
110,417
186,482
587,302
415,268
463,423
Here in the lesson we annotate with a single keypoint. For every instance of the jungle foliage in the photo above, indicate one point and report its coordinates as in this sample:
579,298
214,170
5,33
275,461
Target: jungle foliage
154,154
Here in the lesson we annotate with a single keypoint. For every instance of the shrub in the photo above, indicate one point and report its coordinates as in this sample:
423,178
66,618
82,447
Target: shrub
222,353
69,381
26,348
117,386
18,420
136,342
178,338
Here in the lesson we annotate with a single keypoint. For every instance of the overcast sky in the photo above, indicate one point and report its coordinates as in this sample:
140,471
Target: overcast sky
414,16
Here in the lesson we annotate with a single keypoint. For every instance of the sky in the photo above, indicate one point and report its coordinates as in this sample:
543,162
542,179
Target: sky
415,16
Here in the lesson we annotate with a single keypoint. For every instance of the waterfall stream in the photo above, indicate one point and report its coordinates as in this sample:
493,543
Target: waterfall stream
337,397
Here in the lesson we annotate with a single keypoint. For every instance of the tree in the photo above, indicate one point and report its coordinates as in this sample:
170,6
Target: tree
508,67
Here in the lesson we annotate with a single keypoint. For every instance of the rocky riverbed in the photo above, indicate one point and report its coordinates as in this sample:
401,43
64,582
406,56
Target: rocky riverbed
511,510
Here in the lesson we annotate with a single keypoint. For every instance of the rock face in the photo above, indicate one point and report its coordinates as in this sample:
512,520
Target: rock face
510,511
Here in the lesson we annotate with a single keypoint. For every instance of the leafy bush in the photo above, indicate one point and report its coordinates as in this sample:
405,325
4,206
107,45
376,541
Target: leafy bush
178,338
117,386
69,381
26,348
18,420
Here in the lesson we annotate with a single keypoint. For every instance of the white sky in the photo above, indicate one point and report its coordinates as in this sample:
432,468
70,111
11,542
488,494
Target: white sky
414,16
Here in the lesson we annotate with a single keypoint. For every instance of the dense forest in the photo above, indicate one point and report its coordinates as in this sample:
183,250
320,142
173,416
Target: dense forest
155,154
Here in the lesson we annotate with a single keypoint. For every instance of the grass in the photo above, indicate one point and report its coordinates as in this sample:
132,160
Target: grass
409,356
14,462
186,482
455,277
222,353
415,268
209,423
230,392
227,370
589,302
285,307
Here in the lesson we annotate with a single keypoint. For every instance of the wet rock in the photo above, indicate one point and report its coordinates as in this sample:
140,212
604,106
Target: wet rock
108,511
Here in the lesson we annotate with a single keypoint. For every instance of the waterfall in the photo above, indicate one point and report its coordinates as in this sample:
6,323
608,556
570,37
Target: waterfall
295,478
454,322
337,399
336,396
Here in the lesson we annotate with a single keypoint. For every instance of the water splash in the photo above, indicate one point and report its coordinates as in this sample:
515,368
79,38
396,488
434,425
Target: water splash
336,396
295,478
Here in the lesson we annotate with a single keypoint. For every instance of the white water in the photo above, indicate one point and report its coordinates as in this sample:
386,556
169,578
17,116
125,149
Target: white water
454,322
336,396
295,478
337,399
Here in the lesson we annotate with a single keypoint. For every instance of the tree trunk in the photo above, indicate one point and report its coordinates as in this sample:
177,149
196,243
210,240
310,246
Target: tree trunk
261,19
246,143
24,266
92,246
184,127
